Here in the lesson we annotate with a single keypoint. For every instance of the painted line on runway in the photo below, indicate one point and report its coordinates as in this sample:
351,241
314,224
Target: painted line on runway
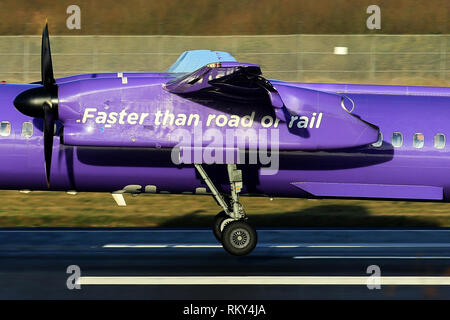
208,231
344,246
398,245
197,246
136,246
375,257
382,245
261,280
162,246
281,246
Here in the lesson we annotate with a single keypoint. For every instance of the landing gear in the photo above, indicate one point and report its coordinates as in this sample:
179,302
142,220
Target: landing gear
230,226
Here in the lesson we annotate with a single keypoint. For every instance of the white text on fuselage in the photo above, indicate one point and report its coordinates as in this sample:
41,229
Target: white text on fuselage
168,118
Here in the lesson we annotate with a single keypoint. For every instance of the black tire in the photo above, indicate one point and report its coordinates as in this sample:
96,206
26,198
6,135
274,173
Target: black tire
218,219
239,238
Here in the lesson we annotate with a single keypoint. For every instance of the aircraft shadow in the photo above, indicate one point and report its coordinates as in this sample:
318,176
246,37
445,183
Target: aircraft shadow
302,160
341,216
295,160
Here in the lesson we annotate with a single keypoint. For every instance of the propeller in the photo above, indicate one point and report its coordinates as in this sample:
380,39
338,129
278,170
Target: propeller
42,102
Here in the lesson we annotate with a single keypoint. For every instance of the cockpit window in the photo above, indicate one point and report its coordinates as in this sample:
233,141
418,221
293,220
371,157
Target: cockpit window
180,77
439,141
397,139
379,141
419,140
27,129
5,128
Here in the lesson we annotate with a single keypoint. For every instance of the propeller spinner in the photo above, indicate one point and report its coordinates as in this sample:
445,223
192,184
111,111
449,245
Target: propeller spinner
42,102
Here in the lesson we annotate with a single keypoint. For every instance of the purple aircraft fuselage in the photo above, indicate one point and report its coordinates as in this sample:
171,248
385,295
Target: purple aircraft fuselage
117,132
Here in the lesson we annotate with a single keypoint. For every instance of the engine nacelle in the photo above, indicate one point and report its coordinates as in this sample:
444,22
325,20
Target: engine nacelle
143,114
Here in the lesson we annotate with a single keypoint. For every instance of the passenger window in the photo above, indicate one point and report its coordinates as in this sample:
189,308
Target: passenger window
27,129
439,141
419,140
379,141
397,139
5,128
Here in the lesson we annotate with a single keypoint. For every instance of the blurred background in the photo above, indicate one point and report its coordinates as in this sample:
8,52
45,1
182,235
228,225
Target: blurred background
293,40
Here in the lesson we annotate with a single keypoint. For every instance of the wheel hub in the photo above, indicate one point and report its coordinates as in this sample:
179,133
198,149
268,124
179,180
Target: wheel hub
239,238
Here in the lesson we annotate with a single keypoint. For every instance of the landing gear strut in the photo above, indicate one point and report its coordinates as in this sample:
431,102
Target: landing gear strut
230,227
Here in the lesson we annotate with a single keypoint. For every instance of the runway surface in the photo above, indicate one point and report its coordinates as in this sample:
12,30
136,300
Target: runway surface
190,264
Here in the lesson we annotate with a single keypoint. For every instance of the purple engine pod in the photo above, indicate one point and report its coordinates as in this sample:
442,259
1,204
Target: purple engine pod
112,113
325,119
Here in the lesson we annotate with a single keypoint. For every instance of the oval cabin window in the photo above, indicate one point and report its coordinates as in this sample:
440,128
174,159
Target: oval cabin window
5,128
397,139
27,129
419,140
439,141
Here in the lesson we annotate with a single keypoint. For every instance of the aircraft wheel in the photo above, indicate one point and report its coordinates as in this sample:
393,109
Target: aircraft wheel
220,221
239,238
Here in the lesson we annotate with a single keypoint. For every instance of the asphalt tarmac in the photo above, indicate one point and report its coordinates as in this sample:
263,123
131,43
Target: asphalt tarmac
190,264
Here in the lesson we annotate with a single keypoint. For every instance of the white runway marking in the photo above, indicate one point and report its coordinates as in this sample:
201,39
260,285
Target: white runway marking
260,280
136,246
344,246
381,245
374,257
197,246
103,231
208,231
285,246
162,246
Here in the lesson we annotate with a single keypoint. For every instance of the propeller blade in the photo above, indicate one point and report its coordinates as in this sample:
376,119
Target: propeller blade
42,101
49,124
48,80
